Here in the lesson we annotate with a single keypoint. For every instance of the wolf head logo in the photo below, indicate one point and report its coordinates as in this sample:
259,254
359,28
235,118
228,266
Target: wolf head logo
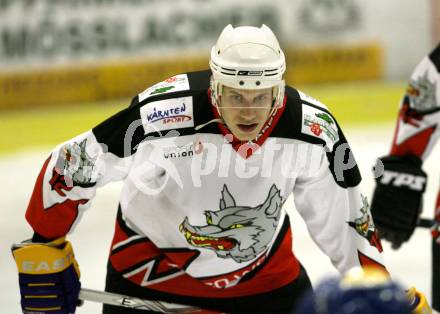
76,164
365,227
421,93
237,232
364,223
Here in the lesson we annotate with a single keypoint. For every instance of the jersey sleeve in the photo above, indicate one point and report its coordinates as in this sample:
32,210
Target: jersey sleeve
330,201
69,178
417,128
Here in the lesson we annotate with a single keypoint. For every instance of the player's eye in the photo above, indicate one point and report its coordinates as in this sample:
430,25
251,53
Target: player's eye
261,98
208,218
235,226
235,99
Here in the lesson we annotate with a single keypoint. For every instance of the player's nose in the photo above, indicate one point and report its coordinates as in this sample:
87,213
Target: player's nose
247,113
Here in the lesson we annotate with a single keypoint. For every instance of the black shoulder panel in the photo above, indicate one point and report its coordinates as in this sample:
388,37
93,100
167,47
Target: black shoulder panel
289,125
123,127
123,132
435,57
199,80
342,164
340,157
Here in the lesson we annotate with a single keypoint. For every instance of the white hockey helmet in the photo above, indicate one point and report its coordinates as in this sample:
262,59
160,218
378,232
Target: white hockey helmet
247,57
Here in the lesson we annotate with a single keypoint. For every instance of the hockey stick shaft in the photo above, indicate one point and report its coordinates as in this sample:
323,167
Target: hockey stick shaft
136,303
435,275
435,229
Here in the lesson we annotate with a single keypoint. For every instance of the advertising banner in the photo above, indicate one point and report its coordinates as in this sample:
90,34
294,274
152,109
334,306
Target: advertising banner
60,51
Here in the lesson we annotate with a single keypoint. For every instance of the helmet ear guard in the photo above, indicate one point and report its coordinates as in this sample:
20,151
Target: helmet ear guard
247,58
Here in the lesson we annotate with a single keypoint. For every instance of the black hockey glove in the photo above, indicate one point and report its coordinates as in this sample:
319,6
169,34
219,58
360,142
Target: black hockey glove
398,197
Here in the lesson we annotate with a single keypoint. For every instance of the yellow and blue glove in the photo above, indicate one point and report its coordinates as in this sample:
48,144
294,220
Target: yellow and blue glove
363,291
48,277
419,304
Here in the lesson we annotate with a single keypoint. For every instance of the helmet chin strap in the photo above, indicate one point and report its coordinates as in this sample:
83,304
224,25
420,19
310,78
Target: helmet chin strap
274,109
200,126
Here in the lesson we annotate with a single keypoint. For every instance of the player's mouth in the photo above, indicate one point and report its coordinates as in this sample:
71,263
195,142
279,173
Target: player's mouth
222,244
247,127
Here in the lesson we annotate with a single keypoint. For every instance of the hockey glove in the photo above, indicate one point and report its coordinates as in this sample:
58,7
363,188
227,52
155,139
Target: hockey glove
419,304
397,198
48,277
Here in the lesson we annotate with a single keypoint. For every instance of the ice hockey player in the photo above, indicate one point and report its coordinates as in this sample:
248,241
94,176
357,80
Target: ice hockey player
208,160
401,181
360,291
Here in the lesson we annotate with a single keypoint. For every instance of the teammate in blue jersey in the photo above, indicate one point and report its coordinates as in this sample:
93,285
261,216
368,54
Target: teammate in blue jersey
207,161
360,291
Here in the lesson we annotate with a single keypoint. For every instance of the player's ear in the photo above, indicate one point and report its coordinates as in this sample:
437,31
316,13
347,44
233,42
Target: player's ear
273,203
227,200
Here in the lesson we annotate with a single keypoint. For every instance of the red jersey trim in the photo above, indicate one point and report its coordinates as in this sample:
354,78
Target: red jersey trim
416,144
281,269
56,220
162,269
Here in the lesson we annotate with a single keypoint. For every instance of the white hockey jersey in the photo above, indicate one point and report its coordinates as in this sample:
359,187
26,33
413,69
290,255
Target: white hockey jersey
201,213
418,124
417,127
418,130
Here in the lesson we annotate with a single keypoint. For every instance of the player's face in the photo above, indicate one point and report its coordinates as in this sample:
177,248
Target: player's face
245,111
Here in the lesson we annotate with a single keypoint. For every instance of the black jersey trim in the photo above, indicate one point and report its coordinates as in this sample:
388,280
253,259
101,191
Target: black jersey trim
125,128
290,123
434,56
123,225
131,243
118,284
113,132
156,260
351,177
198,82
154,274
